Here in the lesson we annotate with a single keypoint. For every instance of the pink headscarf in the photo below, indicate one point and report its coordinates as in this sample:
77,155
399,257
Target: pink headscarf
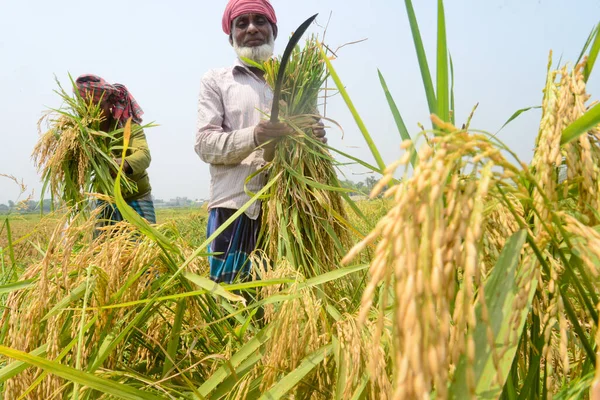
235,8
124,105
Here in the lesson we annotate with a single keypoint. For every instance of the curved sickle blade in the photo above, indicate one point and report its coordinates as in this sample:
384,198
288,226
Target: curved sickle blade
284,60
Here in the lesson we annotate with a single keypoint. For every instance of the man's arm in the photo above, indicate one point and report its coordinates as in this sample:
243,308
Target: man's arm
213,145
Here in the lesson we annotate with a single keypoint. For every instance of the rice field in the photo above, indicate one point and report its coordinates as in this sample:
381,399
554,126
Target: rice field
469,274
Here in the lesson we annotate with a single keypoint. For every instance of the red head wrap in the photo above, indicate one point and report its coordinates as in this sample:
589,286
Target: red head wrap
123,104
235,8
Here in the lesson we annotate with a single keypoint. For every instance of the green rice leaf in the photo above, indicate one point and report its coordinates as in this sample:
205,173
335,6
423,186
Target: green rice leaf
422,58
174,337
213,287
397,117
9,240
16,367
588,41
516,114
593,55
341,362
333,275
226,370
258,284
82,328
83,378
126,210
225,388
581,125
452,105
443,97
11,287
75,295
355,159
500,296
361,125
289,381
359,393
195,293
113,338
43,192
253,63
309,182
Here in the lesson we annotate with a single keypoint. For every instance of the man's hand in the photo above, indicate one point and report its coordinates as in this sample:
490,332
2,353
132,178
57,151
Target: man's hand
267,130
319,132
126,167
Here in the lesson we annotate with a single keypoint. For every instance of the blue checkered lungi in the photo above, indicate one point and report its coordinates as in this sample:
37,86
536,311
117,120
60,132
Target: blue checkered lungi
144,206
234,245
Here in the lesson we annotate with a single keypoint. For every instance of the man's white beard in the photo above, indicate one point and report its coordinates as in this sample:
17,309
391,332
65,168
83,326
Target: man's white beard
258,54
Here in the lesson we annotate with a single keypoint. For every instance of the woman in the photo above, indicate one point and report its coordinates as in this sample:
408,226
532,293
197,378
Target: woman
117,106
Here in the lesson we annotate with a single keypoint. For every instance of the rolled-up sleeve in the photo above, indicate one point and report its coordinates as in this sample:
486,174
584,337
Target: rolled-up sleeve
213,144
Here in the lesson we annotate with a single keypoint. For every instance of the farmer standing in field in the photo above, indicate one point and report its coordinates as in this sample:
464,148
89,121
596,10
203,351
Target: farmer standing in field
231,127
118,105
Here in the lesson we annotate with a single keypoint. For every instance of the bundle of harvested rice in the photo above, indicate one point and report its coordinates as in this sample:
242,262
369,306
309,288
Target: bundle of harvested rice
305,217
74,156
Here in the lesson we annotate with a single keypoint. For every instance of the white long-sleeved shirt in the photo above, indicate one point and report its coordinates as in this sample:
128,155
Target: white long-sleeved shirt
228,111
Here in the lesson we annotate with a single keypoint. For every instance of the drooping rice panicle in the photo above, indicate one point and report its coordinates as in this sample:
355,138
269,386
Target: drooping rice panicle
441,240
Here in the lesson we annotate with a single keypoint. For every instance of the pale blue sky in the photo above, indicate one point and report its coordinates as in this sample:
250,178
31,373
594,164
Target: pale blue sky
160,50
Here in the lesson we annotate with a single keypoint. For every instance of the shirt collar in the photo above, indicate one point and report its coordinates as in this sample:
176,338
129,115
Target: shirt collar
240,67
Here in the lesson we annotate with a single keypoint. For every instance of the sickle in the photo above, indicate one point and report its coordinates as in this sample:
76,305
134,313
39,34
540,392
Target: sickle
284,60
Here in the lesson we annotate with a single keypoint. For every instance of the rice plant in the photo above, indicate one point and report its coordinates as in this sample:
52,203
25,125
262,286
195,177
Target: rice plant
492,264
482,271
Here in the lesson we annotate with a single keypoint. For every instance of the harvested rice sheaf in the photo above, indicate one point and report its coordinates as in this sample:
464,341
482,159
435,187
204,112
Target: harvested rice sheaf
73,155
305,221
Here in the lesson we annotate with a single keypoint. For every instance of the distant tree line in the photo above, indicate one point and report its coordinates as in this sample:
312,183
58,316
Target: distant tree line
25,207
360,187
177,202
31,206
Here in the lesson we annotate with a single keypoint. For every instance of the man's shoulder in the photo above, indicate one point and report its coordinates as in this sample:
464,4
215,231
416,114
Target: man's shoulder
217,73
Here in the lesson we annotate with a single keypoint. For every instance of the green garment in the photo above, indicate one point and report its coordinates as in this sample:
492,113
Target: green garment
138,158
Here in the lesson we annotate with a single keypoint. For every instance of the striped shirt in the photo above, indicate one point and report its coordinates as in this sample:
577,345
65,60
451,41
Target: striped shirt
230,105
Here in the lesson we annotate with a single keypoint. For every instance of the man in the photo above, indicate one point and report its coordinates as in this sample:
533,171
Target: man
231,127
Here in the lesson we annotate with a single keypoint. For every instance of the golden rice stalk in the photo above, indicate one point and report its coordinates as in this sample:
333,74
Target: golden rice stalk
586,240
242,387
564,101
283,270
299,329
547,156
450,219
557,172
499,224
123,265
432,236
359,353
